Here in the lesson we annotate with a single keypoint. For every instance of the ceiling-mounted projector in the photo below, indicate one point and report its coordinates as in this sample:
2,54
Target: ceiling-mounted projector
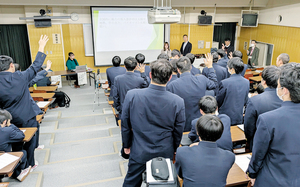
166,16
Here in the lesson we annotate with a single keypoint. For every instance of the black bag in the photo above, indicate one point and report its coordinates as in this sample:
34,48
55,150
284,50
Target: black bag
159,168
61,99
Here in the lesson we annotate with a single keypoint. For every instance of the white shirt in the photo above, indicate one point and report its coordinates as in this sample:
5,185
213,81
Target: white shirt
184,45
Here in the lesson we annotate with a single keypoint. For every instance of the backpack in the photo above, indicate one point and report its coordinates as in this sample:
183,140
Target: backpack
62,99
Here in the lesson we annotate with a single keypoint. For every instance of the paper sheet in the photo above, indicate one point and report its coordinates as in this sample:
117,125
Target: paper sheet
82,78
150,178
241,127
54,82
23,131
7,159
42,104
55,79
243,161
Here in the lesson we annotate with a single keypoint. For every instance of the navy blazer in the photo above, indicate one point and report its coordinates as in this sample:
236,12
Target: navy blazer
244,70
152,123
191,89
173,78
232,97
195,71
276,150
14,93
187,49
223,62
9,135
124,83
220,72
225,142
111,73
40,79
257,105
204,165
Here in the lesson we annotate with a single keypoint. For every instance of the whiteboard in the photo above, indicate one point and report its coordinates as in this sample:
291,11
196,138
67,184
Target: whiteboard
88,39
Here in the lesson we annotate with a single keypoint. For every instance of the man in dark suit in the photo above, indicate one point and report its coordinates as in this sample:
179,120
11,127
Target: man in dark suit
220,71
262,103
228,48
186,46
140,58
194,71
15,96
205,164
174,71
152,123
9,134
223,59
253,53
129,80
209,105
240,55
233,92
276,148
192,88
114,71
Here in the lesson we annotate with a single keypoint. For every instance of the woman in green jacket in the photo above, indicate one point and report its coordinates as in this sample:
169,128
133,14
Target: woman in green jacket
71,64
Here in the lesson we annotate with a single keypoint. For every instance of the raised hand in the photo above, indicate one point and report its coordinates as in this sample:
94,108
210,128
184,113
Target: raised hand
208,61
230,55
49,63
141,68
223,46
42,43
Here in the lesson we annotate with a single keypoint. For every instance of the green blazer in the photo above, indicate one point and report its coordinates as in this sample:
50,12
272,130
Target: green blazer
255,54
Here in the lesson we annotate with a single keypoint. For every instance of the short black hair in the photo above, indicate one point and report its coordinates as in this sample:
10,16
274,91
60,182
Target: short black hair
185,35
140,58
289,79
161,70
270,74
221,52
163,56
4,115
208,104
175,52
130,63
284,57
260,89
71,53
237,53
254,41
184,64
215,56
116,60
191,56
209,128
17,67
5,62
173,63
227,39
237,64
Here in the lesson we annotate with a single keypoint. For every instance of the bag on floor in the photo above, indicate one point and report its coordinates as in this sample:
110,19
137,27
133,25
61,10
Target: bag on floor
61,99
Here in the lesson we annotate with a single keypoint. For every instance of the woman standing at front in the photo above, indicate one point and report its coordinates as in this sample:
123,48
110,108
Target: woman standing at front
166,49
71,64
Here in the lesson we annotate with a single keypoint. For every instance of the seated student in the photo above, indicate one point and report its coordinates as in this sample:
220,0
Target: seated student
114,71
262,103
163,56
174,71
282,59
140,58
209,105
233,92
276,150
205,164
129,80
71,64
194,71
175,54
221,72
40,79
240,55
192,88
9,134
222,58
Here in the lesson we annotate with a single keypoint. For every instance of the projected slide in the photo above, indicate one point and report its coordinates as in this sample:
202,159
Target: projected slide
125,32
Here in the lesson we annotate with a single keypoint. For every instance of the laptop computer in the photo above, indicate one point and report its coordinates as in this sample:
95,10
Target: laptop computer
80,69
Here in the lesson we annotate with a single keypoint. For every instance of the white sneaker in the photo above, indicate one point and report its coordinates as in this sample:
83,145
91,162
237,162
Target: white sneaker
24,174
41,147
36,164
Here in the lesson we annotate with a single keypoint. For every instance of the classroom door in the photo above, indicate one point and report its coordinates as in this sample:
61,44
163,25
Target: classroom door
265,54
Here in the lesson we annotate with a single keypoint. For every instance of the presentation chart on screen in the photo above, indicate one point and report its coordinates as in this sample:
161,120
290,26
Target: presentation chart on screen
124,32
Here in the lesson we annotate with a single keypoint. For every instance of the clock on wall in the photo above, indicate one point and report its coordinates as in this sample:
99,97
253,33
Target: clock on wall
74,16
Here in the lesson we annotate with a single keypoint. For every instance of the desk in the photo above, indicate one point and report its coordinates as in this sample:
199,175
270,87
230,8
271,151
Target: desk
45,88
236,176
4,184
55,84
255,79
254,73
39,118
45,96
110,101
9,168
46,106
68,72
237,134
30,131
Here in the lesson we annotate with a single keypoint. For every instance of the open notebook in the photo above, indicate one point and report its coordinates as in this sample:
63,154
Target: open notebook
7,159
